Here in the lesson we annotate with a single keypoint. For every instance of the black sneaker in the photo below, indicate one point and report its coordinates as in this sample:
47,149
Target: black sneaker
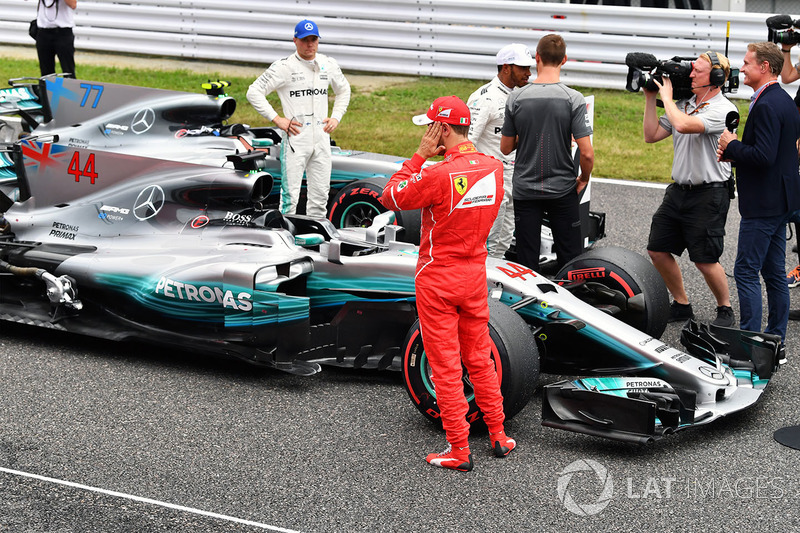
680,312
724,317
794,314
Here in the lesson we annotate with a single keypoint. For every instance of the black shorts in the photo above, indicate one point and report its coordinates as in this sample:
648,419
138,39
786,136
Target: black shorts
692,220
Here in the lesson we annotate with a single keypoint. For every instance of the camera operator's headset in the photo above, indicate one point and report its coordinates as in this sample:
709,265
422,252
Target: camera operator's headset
717,75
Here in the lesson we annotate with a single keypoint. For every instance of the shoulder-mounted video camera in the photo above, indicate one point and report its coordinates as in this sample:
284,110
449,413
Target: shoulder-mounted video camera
782,29
643,68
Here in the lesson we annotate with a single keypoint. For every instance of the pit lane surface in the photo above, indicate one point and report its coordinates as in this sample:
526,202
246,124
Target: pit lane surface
343,450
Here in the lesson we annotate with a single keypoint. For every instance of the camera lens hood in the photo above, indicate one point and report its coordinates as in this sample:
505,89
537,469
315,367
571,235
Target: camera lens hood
780,22
641,60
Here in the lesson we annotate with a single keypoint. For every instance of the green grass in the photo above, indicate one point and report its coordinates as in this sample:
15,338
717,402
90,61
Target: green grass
379,121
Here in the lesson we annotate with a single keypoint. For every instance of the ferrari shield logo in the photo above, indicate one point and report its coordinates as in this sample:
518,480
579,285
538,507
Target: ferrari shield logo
461,184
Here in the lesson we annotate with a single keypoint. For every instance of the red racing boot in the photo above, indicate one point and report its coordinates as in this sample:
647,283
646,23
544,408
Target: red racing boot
453,458
501,444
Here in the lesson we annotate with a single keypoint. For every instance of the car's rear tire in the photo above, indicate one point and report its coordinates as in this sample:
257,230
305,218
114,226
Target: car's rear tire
513,350
627,273
357,204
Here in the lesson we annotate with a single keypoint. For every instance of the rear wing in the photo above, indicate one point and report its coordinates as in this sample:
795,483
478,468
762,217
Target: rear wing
7,165
23,99
19,98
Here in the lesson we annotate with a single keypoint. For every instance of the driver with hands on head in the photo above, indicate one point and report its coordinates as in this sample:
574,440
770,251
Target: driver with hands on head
301,81
459,198
694,210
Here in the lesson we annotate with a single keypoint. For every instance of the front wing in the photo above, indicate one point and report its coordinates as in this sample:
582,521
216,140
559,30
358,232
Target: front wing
643,409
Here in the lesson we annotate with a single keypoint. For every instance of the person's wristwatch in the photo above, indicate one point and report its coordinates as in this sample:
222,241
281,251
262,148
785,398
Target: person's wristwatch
785,51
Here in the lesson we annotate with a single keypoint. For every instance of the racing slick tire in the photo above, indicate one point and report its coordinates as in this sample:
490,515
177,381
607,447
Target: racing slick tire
357,204
515,355
630,275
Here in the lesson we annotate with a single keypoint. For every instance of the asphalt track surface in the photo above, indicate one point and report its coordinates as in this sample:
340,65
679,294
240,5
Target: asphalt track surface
135,438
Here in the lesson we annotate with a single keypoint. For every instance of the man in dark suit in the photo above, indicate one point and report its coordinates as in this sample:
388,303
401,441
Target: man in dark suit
769,189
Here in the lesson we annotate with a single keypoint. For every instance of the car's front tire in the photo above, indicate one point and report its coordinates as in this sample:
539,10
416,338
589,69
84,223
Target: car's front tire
513,351
631,277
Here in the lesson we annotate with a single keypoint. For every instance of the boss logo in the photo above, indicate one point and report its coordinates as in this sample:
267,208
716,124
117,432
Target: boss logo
237,218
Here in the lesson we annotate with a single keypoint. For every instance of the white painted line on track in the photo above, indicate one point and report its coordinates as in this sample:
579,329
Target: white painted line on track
147,500
631,183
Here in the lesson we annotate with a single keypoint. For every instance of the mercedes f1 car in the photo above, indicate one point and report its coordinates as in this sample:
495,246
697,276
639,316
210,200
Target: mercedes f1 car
194,127
126,247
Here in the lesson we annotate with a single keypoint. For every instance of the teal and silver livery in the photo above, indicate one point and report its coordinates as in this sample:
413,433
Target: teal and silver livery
121,246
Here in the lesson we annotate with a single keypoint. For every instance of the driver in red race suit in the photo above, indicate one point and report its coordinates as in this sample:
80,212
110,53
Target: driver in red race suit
459,198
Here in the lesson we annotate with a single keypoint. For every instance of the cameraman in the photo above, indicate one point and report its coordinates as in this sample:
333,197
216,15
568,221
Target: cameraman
693,212
789,74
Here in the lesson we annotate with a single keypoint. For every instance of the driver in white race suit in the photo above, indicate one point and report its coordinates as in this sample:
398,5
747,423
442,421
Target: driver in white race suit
301,81
487,106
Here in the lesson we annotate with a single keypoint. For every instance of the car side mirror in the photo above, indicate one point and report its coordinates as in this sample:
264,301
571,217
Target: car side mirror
378,223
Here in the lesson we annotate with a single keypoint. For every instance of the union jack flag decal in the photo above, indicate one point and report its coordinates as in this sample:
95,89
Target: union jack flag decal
39,156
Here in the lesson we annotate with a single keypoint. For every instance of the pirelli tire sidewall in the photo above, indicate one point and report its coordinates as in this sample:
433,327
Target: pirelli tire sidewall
357,203
629,272
513,350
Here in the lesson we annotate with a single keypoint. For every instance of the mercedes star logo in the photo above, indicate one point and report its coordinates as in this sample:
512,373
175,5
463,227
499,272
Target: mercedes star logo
143,120
149,202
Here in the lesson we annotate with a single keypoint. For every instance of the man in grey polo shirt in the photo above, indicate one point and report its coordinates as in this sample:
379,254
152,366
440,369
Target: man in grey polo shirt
695,207
541,120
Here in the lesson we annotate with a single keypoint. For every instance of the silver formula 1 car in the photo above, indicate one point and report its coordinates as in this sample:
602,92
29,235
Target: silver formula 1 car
125,247
194,127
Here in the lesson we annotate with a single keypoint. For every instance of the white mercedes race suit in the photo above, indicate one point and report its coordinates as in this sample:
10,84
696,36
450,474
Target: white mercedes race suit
303,89
487,108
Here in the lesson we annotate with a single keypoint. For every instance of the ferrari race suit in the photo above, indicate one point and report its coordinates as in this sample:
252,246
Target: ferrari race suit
303,89
459,198
487,108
